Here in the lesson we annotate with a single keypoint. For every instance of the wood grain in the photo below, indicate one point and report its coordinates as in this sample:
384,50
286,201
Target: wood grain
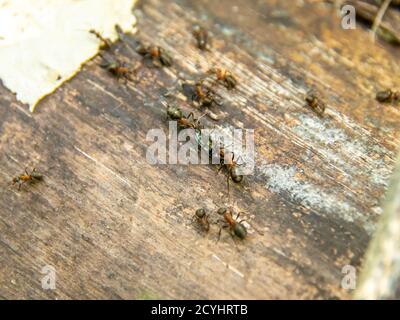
114,226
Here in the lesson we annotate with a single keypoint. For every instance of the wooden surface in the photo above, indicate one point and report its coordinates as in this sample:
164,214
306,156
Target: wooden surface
114,226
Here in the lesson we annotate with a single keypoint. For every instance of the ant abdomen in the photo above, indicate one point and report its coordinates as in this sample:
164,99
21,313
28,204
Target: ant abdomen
240,230
37,175
236,177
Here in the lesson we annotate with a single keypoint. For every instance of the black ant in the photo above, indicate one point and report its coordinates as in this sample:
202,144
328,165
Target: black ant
315,103
174,113
32,177
224,76
157,55
201,36
388,96
236,227
202,218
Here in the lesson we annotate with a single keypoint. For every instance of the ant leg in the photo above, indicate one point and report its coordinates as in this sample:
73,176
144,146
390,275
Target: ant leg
219,232
194,97
237,218
203,115
193,220
234,241
190,115
26,171
227,180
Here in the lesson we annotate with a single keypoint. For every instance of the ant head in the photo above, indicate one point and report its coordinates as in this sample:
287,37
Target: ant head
222,211
196,29
174,112
200,213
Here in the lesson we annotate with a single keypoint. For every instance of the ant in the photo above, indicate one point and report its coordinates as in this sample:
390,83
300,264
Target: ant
174,113
202,218
230,165
157,55
315,103
236,227
119,70
204,95
105,43
388,96
224,76
201,36
32,177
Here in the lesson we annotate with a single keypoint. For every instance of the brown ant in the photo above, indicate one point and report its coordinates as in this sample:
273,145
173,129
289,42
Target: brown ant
204,95
224,76
157,55
105,43
201,36
202,218
174,113
32,177
236,227
315,103
230,165
119,70
388,96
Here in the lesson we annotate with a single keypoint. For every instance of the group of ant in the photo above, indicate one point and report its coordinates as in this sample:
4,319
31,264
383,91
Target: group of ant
227,162
202,93
236,226
318,106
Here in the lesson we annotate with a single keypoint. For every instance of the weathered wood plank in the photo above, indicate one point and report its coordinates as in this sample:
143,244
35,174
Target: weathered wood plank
114,226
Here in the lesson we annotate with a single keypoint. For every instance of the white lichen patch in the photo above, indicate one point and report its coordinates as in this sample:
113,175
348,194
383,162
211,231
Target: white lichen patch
280,179
43,43
352,155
